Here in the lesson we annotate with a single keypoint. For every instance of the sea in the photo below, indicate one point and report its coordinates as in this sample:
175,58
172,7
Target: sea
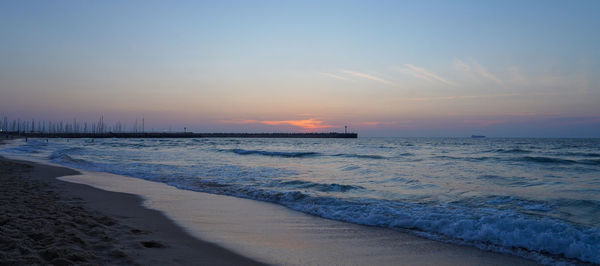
536,198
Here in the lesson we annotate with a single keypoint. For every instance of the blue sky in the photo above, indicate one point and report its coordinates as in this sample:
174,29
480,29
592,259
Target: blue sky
385,68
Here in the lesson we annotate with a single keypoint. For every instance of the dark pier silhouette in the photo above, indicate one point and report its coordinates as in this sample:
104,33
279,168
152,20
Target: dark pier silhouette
101,129
181,135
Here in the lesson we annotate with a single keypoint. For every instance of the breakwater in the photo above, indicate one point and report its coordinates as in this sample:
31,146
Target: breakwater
183,135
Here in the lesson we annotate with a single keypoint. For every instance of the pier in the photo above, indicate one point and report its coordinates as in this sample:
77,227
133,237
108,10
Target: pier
182,135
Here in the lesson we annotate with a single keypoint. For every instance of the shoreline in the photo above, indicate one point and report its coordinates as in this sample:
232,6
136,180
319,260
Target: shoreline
259,231
84,224
278,235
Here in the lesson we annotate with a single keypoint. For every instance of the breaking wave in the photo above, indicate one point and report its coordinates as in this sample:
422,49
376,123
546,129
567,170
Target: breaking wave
275,153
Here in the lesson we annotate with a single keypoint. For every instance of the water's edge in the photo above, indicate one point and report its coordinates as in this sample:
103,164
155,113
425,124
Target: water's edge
536,238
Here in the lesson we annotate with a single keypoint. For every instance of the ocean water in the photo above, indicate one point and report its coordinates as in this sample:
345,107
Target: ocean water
537,198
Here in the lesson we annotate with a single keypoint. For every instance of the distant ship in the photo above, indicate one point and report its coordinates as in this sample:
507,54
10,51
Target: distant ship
477,136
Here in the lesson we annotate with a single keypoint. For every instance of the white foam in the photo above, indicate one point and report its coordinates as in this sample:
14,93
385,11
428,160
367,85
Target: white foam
276,235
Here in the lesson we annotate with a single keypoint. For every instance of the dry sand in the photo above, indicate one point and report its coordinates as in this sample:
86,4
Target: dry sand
48,221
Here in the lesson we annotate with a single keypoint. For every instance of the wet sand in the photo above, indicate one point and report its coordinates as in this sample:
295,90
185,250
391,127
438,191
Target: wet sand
48,221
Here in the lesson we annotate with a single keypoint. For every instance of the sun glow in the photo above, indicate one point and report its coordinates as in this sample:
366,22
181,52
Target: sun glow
304,125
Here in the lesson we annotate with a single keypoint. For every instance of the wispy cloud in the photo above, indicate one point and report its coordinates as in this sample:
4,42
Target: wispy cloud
335,76
307,124
477,69
367,76
485,73
574,83
516,77
376,123
423,73
462,66
462,97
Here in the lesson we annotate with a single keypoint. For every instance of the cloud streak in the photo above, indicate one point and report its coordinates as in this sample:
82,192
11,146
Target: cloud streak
462,97
478,70
422,73
367,76
306,124
485,73
335,76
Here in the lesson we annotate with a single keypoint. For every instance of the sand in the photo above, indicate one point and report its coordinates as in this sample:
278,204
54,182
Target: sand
48,221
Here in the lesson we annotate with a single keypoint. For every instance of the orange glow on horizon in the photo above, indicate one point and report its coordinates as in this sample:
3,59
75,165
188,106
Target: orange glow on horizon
305,124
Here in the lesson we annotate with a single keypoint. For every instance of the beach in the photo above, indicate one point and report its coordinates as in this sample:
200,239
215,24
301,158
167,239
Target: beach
300,133
101,218
48,221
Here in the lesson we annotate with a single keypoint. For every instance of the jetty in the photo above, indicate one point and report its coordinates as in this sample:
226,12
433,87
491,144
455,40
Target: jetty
101,129
180,135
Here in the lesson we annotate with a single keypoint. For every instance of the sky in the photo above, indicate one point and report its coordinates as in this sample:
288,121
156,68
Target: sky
383,68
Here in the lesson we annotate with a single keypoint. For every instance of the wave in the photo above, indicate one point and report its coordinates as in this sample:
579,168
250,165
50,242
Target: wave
550,160
532,159
320,187
553,160
580,154
34,147
512,181
302,154
350,168
27,149
275,153
62,157
492,229
540,159
482,158
62,152
590,162
527,159
360,156
511,151
486,227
